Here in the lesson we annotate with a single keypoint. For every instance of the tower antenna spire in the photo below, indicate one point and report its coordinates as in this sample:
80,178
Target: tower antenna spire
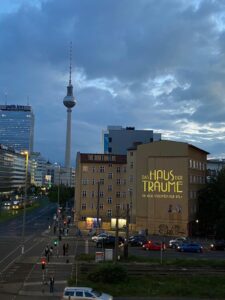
70,62
69,101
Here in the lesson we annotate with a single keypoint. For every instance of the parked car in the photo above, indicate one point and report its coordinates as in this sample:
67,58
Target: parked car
109,241
84,293
137,240
150,245
175,242
218,245
99,237
190,247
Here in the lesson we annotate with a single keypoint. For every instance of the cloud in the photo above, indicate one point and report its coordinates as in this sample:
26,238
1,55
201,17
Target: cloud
153,64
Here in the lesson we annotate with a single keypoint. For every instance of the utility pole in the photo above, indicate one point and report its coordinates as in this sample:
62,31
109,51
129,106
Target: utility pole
117,234
98,200
127,232
26,153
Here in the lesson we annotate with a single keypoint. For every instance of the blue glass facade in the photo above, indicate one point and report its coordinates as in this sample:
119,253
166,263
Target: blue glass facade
17,127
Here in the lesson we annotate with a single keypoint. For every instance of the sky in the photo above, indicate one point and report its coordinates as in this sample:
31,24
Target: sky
151,64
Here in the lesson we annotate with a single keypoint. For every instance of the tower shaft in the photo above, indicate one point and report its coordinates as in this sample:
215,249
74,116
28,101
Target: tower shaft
68,139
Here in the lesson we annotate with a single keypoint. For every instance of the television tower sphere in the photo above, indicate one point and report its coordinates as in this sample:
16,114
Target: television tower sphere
69,100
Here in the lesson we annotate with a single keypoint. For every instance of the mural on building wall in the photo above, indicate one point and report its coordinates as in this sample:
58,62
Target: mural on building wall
162,184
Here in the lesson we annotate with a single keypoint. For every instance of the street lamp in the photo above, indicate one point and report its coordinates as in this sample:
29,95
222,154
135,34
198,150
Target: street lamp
131,206
26,153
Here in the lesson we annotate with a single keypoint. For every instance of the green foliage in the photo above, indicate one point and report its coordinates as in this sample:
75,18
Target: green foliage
64,192
85,257
211,208
108,273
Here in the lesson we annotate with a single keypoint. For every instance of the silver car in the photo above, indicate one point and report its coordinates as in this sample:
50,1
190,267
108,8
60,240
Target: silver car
84,293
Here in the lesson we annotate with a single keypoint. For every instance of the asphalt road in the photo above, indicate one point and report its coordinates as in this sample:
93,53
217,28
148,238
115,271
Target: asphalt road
11,234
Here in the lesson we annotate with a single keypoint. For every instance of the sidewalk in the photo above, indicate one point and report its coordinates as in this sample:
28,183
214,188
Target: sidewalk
59,265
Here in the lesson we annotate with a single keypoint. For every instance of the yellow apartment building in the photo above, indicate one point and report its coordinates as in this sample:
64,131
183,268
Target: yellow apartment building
159,181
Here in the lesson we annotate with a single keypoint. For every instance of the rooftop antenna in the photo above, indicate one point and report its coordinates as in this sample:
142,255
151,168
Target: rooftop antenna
6,96
70,62
28,100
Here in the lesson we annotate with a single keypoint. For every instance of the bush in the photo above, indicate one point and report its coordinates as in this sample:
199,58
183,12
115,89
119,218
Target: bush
85,257
109,273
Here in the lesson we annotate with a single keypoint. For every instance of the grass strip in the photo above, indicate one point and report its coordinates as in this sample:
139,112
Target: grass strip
11,214
163,286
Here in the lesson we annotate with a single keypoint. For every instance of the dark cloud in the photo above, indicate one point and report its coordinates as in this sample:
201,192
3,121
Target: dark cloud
149,64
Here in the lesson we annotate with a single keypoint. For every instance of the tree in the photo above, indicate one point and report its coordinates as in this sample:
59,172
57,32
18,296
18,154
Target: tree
64,192
211,207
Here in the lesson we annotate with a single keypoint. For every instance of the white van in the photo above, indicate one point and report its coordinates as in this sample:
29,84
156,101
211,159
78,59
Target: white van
84,293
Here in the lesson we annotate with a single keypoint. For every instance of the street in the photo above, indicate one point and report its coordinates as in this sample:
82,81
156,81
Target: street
22,276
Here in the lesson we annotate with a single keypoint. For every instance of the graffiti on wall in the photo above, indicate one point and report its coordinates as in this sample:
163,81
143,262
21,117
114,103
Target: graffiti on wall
170,230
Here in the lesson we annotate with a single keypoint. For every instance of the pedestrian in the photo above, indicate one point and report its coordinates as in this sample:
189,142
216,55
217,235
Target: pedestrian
51,284
46,251
64,249
67,248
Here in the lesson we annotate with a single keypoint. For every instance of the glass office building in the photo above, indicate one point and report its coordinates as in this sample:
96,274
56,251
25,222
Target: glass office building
17,127
12,170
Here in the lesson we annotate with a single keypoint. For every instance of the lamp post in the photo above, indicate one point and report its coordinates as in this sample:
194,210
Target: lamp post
131,207
197,226
26,153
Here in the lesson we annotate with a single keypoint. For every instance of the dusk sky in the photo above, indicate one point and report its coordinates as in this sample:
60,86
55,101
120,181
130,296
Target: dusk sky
152,64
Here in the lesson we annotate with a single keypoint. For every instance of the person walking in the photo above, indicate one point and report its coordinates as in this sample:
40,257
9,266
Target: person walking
64,249
51,284
46,251
67,249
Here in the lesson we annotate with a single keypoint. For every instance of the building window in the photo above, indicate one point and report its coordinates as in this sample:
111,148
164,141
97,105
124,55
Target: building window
124,181
83,206
117,194
84,194
85,169
118,170
92,205
131,165
109,213
117,205
131,178
84,181
93,169
102,169
124,169
110,200
131,153
83,218
101,181
93,181
124,194
110,165
110,176
110,188
110,149
118,181
110,140
190,163
101,206
92,194
101,194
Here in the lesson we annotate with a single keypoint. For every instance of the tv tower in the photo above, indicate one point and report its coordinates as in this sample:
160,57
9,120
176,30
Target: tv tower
69,101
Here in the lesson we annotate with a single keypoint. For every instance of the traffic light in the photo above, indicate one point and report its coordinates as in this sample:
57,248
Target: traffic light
55,243
43,263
